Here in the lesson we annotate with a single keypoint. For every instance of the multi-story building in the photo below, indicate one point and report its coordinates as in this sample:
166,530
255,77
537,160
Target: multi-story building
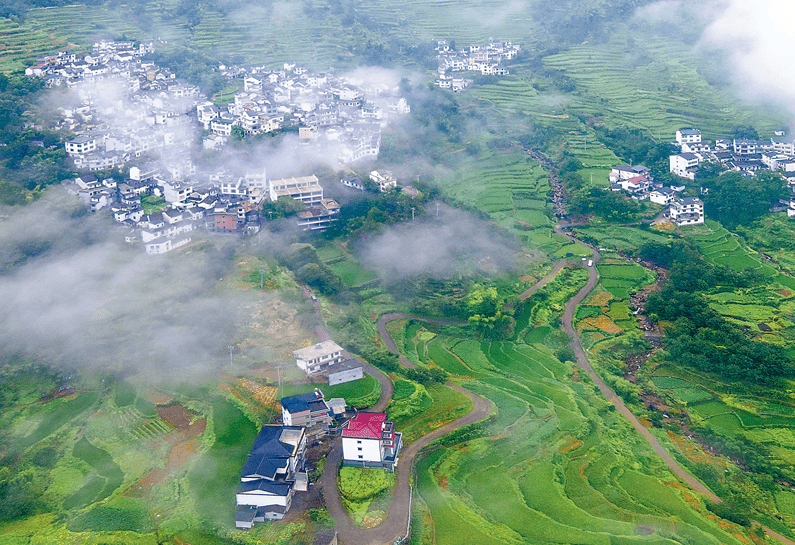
275,468
305,189
688,136
309,410
684,165
316,358
687,211
370,440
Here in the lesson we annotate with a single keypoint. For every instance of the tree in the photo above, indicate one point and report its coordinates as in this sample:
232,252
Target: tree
283,207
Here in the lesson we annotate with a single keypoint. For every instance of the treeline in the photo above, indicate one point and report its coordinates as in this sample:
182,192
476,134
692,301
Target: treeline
734,199
700,337
30,159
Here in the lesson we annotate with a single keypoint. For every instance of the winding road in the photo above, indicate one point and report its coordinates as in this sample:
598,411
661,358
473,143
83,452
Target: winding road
394,527
396,523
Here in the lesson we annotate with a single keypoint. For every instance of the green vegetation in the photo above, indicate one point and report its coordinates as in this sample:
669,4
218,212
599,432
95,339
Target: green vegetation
359,487
358,393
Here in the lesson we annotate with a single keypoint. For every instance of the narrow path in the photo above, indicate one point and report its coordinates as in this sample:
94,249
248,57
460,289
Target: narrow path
396,523
541,283
612,397
387,388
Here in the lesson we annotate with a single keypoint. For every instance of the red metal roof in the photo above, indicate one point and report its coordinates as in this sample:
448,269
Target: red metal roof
365,426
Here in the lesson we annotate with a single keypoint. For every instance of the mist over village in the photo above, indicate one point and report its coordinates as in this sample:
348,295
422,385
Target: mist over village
331,272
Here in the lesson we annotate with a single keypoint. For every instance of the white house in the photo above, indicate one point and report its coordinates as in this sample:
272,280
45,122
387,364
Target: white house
684,165
370,440
687,211
307,410
345,371
385,179
305,189
688,136
626,172
273,471
316,358
663,196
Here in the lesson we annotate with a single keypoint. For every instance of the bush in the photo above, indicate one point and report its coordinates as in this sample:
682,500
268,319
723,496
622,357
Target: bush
357,483
427,376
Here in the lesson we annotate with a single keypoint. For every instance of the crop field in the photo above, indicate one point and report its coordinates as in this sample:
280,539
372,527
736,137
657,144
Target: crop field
548,470
620,238
723,248
438,406
662,93
20,42
764,420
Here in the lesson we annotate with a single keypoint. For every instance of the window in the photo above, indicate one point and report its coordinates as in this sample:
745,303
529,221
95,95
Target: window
358,442
360,457
360,448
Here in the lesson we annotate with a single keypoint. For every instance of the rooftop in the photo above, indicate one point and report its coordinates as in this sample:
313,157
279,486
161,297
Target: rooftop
312,401
365,426
317,350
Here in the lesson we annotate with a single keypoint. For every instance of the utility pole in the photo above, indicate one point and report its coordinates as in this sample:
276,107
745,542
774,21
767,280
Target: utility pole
231,361
262,273
585,143
412,214
279,379
437,209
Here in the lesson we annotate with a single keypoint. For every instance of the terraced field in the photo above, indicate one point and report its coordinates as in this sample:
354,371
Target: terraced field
19,42
662,92
554,465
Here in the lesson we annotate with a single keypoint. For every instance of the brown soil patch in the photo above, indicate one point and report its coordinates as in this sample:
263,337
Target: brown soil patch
570,447
785,292
141,488
182,452
527,278
443,482
265,395
177,416
159,398
602,299
267,373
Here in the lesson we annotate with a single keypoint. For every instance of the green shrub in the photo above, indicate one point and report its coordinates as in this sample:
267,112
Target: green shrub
357,483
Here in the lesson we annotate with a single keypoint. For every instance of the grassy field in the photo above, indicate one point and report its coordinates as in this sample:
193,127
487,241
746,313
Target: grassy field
660,93
553,465
358,393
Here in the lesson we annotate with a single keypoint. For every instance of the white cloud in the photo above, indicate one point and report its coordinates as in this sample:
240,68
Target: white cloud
758,39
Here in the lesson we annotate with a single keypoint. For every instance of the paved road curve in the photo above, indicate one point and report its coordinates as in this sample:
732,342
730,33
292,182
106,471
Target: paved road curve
396,523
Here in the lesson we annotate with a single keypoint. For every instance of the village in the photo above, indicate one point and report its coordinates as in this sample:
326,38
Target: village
740,155
486,60
276,466
134,116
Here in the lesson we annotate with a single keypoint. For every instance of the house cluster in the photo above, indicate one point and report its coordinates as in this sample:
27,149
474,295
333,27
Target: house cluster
127,107
745,156
274,470
333,114
216,201
487,60
325,360
638,182
276,466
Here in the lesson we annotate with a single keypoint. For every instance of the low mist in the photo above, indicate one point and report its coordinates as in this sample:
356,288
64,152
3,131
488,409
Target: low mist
455,243
76,296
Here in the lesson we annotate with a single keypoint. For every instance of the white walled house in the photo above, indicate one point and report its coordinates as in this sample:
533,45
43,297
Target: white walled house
275,468
688,136
663,196
385,179
684,165
687,211
305,189
345,371
370,440
307,410
318,357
